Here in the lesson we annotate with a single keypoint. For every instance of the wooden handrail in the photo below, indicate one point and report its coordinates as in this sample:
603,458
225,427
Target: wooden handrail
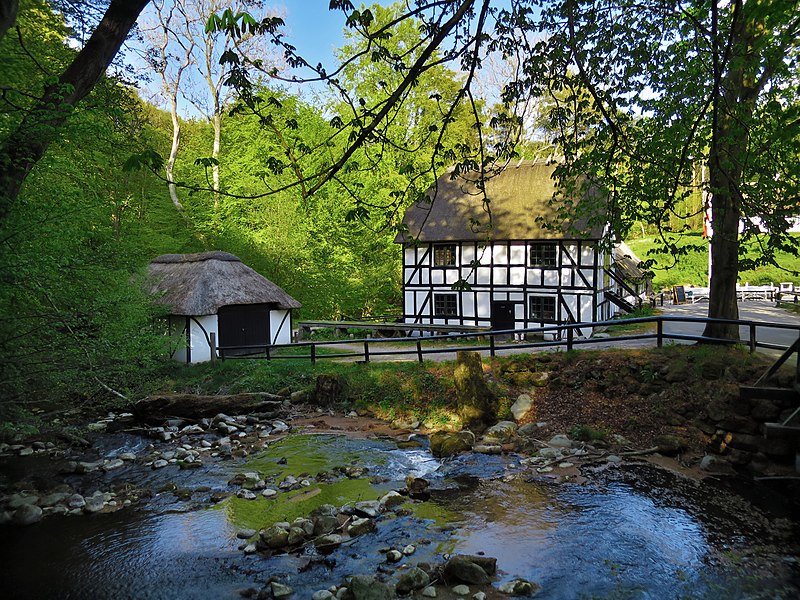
416,349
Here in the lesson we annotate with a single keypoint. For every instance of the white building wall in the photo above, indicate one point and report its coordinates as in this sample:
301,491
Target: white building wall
467,254
200,329
177,331
280,327
468,305
511,279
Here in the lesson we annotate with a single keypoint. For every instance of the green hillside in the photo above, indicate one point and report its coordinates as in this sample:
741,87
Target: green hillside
692,269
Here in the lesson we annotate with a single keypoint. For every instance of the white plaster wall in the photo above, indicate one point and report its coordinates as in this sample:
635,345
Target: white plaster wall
408,256
587,255
280,331
551,277
467,255
468,305
408,305
484,305
517,276
518,254
500,254
519,312
200,328
177,330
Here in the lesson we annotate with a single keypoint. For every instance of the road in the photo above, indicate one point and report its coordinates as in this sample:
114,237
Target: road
753,310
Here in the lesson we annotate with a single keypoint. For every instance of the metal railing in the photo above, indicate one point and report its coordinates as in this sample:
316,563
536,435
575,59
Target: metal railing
566,336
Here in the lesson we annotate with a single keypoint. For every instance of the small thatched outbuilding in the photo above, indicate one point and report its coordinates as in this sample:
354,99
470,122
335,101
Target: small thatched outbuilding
214,292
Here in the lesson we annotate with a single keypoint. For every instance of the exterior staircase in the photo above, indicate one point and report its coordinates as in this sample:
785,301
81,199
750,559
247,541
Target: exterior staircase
617,299
789,428
620,301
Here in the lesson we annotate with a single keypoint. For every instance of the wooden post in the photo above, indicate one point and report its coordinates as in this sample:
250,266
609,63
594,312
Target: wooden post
752,337
660,334
366,351
491,345
419,351
313,354
570,336
266,348
797,369
213,343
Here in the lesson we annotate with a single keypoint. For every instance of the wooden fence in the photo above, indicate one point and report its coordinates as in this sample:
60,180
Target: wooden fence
563,336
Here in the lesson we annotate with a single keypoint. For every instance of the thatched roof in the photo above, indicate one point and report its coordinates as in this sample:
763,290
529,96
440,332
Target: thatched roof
199,284
627,264
518,195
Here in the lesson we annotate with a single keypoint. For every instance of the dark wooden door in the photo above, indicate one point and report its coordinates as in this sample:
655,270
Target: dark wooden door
243,325
503,315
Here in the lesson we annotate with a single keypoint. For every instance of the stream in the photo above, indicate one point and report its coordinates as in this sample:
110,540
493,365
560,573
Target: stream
625,531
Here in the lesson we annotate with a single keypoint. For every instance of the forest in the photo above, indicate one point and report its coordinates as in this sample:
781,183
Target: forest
200,136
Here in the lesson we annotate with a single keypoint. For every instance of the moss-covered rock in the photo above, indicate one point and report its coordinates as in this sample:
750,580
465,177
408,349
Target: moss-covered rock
448,443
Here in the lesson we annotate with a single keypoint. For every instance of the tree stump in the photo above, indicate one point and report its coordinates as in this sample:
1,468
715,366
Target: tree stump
475,401
329,390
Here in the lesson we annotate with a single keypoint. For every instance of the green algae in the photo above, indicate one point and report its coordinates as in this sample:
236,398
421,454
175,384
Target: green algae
303,455
287,506
432,511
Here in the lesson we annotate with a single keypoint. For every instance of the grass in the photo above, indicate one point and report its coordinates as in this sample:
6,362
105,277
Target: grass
692,269
390,390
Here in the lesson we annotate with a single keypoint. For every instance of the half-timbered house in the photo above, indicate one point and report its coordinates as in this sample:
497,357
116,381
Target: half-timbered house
519,272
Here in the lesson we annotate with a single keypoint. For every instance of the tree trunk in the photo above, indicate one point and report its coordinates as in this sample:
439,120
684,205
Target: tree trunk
191,406
39,128
8,15
173,152
722,303
734,107
217,123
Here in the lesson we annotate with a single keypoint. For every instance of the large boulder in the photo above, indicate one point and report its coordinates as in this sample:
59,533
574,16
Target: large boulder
361,587
273,537
502,432
521,407
475,400
519,587
464,568
27,514
413,579
448,443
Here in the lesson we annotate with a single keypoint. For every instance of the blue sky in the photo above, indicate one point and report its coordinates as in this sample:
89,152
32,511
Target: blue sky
312,28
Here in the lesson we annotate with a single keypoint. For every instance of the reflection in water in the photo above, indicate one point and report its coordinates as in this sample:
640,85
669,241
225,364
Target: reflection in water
574,539
610,540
